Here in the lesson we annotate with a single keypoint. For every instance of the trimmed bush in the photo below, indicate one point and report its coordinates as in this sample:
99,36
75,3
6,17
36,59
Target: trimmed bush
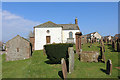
55,52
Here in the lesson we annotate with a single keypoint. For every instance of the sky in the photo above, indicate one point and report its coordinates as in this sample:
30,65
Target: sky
19,18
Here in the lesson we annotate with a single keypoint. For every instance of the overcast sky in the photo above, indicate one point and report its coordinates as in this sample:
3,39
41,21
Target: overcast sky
21,17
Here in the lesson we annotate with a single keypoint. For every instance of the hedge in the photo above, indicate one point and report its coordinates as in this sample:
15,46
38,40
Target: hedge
55,52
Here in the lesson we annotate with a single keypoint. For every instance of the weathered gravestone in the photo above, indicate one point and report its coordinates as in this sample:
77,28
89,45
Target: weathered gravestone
109,67
64,68
102,44
78,41
114,45
118,45
89,56
102,53
71,59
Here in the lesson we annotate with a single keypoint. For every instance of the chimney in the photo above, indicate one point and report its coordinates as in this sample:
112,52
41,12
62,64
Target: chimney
76,20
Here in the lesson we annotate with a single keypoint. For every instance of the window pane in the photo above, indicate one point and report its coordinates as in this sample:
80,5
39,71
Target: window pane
70,35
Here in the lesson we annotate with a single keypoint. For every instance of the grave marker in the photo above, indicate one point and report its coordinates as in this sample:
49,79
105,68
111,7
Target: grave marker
118,45
102,53
109,67
71,59
78,41
64,68
114,45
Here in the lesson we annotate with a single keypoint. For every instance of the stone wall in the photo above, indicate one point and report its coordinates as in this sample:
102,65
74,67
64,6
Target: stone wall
17,49
70,40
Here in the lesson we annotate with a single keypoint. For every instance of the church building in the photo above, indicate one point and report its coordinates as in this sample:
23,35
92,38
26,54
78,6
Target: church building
49,32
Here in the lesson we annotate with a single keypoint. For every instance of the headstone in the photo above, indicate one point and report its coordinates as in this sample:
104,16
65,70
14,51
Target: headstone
106,40
118,46
71,59
95,39
102,44
44,52
89,56
64,68
78,41
102,53
109,67
114,46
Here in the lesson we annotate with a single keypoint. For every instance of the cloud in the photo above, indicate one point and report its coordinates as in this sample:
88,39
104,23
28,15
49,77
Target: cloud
8,16
13,25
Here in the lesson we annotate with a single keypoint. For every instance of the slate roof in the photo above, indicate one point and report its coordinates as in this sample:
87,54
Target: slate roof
69,26
48,24
116,35
64,26
91,33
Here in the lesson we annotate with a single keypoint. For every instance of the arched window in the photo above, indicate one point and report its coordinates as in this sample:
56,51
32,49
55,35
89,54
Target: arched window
70,35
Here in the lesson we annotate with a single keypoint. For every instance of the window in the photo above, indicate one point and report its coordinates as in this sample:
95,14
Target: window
70,35
17,49
48,31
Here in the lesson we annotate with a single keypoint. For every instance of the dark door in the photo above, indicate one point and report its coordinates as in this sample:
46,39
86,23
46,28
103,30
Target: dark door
47,39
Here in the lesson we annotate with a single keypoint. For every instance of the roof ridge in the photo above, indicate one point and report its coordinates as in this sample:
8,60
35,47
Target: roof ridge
48,23
17,36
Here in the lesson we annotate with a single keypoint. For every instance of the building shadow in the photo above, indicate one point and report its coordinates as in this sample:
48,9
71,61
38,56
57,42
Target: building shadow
103,70
31,49
51,62
60,74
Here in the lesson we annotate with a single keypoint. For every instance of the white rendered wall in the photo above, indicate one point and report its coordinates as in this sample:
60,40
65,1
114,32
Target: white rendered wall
41,33
109,38
66,34
97,35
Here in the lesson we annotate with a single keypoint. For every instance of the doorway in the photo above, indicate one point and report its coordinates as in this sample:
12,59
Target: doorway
47,39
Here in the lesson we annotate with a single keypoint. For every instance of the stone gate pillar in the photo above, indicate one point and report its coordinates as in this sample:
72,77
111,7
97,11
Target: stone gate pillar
78,41
32,41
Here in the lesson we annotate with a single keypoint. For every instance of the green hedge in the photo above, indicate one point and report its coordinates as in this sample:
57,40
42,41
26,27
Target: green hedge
55,52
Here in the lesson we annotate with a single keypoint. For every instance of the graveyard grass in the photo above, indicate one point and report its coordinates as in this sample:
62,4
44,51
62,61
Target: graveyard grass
38,66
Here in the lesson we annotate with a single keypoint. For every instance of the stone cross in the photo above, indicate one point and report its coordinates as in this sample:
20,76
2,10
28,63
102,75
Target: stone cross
109,67
64,68
71,59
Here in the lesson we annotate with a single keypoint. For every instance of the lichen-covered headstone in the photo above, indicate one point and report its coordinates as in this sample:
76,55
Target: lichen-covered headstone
89,56
71,59
118,45
109,67
64,68
114,45
102,53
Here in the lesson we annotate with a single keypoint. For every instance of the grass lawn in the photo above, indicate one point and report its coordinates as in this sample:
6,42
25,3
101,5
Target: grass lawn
37,66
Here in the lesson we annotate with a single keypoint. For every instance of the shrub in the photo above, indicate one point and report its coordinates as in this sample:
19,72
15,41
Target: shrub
55,52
